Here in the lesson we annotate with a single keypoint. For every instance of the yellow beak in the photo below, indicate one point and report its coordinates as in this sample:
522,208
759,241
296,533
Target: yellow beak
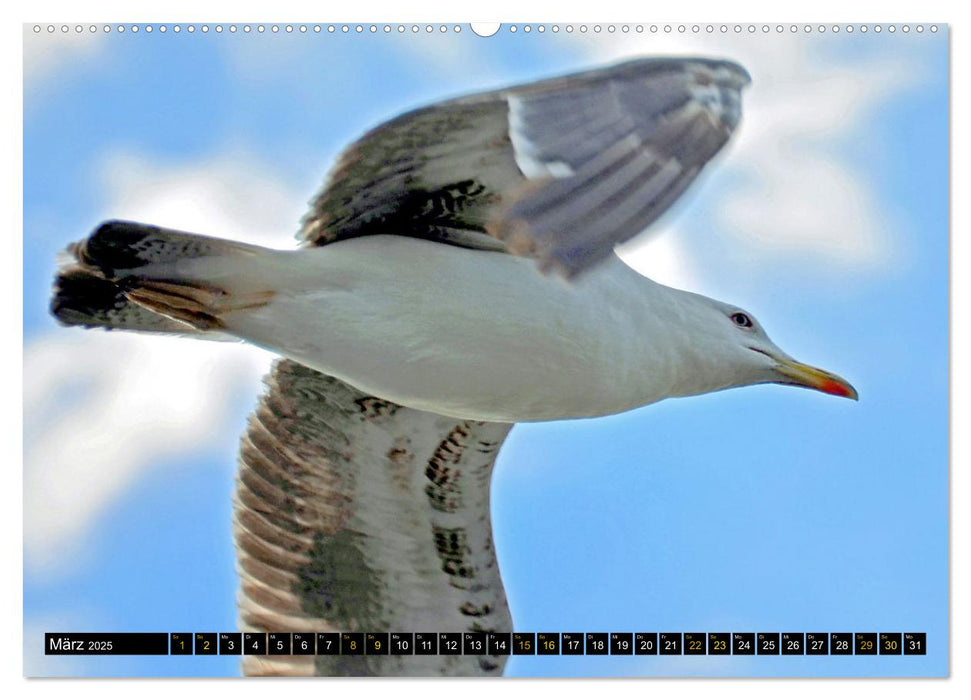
815,378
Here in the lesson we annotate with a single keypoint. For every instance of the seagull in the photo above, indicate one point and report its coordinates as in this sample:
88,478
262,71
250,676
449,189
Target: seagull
456,276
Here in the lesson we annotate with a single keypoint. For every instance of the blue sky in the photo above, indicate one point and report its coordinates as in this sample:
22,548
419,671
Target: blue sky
758,509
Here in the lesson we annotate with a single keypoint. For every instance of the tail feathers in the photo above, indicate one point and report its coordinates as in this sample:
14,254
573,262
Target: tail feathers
83,298
133,276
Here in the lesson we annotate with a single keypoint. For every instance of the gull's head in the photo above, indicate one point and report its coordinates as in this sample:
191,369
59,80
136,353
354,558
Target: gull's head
732,349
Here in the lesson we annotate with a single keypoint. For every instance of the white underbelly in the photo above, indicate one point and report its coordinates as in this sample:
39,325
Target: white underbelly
464,333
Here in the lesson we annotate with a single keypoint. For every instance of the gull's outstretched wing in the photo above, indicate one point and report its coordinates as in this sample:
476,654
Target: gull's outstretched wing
560,170
356,514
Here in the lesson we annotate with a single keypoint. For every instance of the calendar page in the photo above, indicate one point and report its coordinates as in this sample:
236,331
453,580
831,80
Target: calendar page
524,349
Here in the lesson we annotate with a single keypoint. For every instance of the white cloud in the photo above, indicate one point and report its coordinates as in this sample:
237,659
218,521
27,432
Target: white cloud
47,52
663,258
101,408
231,196
790,189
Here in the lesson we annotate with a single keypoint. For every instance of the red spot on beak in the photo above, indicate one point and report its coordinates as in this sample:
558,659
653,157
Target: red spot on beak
838,388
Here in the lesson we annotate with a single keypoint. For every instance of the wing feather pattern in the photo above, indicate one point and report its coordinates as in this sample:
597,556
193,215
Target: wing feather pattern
561,170
355,514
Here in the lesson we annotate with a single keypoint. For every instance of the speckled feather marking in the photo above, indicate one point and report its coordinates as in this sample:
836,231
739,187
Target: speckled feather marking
125,245
335,529
412,176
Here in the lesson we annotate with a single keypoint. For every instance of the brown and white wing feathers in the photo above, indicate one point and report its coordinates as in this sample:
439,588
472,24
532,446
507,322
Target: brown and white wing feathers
354,514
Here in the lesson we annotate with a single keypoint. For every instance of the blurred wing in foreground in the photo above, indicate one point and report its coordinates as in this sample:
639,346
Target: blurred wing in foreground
560,170
356,514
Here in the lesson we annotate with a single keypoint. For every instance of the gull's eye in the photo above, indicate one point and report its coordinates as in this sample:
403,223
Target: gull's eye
741,320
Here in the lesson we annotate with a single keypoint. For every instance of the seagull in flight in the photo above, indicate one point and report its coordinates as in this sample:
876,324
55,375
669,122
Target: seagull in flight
456,275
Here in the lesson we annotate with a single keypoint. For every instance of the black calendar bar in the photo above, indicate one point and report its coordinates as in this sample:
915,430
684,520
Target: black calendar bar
765,644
